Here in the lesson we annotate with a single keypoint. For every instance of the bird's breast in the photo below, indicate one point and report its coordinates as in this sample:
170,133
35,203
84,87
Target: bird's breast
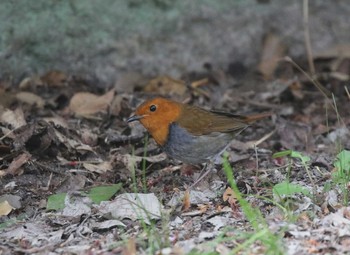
194,149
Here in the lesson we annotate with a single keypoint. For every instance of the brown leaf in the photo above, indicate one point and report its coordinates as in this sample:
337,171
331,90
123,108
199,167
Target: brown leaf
15,166
116,105
273,50
57,121
130,248
85,104
55,78
186,203
5,208
229,196
31,99
203,208
30,82
98,168
166,86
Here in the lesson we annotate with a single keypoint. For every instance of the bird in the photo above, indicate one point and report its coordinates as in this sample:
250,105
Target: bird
188,133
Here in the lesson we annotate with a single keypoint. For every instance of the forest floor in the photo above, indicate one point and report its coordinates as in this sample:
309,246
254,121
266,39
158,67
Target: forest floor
76,178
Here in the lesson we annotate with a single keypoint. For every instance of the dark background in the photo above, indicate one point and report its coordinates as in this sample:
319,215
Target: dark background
108,40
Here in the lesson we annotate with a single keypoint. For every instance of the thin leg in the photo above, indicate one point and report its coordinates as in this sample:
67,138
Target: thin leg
205,171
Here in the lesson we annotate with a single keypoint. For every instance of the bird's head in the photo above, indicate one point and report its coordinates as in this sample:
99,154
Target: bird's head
156,115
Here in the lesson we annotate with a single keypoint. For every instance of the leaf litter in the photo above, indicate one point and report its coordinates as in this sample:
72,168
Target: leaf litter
58,146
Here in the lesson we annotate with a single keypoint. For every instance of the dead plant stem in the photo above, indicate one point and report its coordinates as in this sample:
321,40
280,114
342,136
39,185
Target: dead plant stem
307,37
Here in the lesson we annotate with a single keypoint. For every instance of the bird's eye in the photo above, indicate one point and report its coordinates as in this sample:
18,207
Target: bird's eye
153,108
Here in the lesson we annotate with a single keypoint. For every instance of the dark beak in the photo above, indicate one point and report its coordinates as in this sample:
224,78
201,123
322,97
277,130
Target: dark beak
133,118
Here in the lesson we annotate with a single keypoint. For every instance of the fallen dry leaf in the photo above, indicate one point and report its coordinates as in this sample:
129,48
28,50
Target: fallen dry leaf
196,197
86,104
218,222
57,121
203,207
31,99
72,144
229,196
5,208
130,248
273,50
35,137
30,82
98,168
55,78
116,105
133,206
14,167
76,205
166,86
14,118
130,160
108,224
186,204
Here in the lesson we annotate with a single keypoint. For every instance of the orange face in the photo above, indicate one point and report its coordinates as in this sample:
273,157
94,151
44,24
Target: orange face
156,115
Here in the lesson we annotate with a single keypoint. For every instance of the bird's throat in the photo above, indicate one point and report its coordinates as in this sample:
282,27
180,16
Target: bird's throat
160,135
159,132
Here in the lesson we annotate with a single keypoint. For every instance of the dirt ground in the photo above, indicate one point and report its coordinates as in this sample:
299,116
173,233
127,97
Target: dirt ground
71,167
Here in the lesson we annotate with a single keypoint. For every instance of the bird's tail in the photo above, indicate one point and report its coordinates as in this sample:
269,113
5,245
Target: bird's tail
252,118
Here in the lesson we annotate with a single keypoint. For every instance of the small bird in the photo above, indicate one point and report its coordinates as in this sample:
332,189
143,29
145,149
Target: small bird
188,133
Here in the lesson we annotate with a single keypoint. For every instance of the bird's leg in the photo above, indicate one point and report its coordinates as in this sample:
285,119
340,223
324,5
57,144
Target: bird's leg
204,172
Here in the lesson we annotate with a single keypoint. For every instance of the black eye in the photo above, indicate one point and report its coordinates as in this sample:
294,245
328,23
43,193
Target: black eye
153,108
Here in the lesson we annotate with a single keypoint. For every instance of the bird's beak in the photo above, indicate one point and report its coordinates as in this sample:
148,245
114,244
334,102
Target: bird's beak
135,117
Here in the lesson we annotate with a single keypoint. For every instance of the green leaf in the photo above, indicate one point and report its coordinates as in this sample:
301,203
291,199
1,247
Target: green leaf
7,223
293,154
21,217
286,188
96,194
343,161
281,154
56,201
103,193
296,154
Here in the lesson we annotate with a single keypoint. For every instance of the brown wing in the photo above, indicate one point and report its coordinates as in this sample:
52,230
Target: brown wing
201,122
246,119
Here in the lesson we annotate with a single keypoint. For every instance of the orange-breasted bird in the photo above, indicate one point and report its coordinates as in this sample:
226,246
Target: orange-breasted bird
188,133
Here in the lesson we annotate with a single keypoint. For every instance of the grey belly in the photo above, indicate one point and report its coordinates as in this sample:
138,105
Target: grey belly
195,149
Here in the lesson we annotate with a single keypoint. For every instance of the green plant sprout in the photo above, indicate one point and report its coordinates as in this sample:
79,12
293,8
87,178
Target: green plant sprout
271,241
342,174
286,188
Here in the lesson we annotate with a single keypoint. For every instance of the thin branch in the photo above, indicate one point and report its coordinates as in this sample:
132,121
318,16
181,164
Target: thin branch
307,37
318,85
347,92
